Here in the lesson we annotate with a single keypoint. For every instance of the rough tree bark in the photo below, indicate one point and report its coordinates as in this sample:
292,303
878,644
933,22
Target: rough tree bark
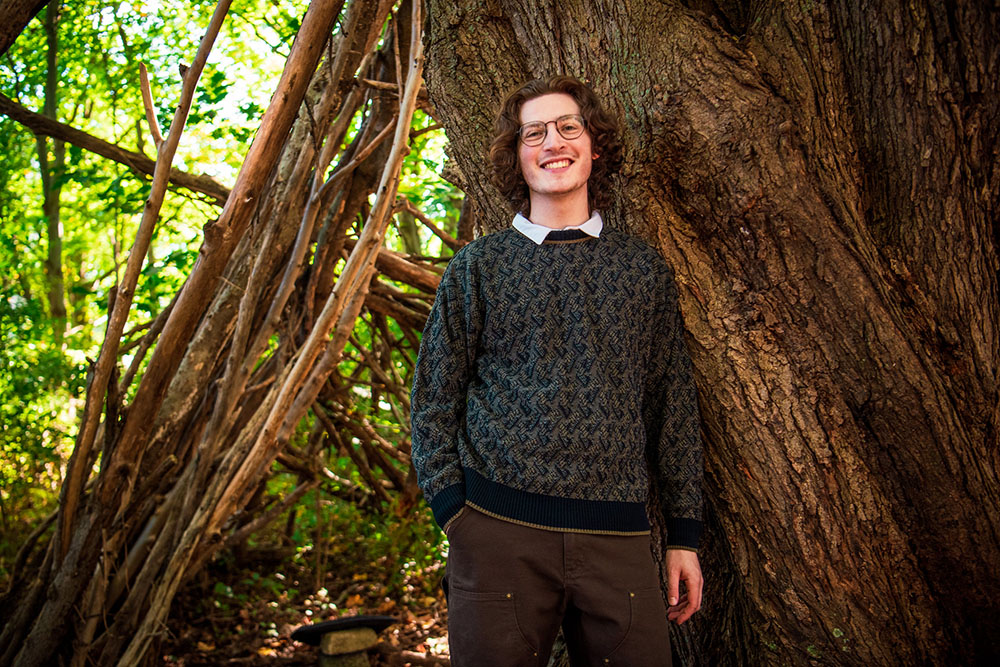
823,178
14,16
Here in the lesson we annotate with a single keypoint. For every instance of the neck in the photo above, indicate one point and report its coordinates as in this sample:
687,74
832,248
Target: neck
560,212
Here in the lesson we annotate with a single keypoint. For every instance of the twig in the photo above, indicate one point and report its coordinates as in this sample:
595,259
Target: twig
402,269
363,468
147,102
25,549
387,382
424,130
144,344
449,240
381,85
273,513
341,172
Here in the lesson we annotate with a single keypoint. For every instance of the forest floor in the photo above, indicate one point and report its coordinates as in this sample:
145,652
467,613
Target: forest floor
245,615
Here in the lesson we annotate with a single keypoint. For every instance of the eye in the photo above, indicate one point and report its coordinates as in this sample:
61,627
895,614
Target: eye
570,125
532,131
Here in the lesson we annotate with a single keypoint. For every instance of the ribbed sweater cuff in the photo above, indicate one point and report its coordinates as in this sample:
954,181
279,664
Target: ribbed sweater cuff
446,503
683,533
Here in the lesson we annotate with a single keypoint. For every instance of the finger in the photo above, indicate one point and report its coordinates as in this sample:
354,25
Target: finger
683,611
680,602
695,589
693,604
676,610
673,584
685,616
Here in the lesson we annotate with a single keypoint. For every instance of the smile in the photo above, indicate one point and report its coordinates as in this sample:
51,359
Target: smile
556,164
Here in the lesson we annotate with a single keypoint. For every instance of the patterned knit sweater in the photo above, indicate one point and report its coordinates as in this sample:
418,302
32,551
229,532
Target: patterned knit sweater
550,379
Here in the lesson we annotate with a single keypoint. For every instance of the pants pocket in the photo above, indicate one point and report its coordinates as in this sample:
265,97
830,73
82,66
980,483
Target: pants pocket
483,630
647,641
449,527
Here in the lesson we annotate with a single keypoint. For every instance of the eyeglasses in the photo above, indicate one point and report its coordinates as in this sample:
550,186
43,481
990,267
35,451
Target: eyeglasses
569,127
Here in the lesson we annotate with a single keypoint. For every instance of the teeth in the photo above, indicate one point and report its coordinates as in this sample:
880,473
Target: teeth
558,164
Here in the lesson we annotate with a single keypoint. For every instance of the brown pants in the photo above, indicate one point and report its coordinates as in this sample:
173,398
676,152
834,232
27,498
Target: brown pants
510,587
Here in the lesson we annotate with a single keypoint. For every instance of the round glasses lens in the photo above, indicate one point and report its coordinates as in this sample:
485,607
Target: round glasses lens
533,133
570,127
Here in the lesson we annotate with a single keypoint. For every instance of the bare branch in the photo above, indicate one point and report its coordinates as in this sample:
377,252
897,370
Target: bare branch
137,162
147,103
400,268
450,241
273,513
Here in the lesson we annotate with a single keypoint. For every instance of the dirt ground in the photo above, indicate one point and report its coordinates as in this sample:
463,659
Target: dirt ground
239,616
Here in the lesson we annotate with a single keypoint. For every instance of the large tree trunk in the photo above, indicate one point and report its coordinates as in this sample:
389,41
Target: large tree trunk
823,178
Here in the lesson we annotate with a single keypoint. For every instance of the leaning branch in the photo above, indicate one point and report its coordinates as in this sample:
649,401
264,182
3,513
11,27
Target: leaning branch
106,360
137,162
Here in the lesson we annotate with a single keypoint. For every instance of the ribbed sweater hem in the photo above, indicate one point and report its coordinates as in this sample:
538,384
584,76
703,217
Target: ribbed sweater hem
446,503
538,510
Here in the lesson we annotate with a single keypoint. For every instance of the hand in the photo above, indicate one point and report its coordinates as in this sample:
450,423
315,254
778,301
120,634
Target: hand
682,565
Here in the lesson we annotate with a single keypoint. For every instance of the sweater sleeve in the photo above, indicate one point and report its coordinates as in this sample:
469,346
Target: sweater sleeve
673,424
440,383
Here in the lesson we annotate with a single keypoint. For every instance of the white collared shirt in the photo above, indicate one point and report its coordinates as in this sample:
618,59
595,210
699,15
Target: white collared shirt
537,233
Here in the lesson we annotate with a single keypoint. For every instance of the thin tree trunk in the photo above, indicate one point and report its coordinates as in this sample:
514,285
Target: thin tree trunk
52,174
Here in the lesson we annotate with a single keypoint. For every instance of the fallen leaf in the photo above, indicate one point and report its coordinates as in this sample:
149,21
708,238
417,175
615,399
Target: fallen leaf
205,647
353,601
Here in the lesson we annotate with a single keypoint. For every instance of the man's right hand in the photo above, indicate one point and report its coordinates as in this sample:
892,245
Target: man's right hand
682,565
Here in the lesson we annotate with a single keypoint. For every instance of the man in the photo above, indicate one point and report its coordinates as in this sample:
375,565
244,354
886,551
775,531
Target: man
552,375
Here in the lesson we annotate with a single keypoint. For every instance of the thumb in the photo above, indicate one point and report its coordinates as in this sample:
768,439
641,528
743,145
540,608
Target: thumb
673,577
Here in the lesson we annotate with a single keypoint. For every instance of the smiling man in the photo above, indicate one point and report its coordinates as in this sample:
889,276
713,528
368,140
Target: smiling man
553,398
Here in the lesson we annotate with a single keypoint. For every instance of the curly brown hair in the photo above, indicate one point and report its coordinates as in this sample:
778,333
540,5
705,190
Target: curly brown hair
602,127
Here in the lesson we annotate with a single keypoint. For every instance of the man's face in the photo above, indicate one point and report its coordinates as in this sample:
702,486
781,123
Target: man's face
557,167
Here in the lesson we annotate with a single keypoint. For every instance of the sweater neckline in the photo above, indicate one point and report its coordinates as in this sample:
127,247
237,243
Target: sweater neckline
566,235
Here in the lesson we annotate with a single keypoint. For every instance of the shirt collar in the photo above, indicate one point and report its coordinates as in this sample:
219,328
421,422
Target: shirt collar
537,233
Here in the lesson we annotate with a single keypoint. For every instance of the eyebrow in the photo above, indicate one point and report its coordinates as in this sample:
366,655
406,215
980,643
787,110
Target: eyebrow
539,120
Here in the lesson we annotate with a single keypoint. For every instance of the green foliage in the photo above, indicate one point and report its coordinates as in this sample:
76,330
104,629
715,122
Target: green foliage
37,382
396,553
101,44
42,384
421,184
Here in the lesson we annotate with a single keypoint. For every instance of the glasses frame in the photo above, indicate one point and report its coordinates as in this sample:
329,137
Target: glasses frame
557,121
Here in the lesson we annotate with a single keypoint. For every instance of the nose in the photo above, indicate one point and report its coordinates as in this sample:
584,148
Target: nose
552,137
